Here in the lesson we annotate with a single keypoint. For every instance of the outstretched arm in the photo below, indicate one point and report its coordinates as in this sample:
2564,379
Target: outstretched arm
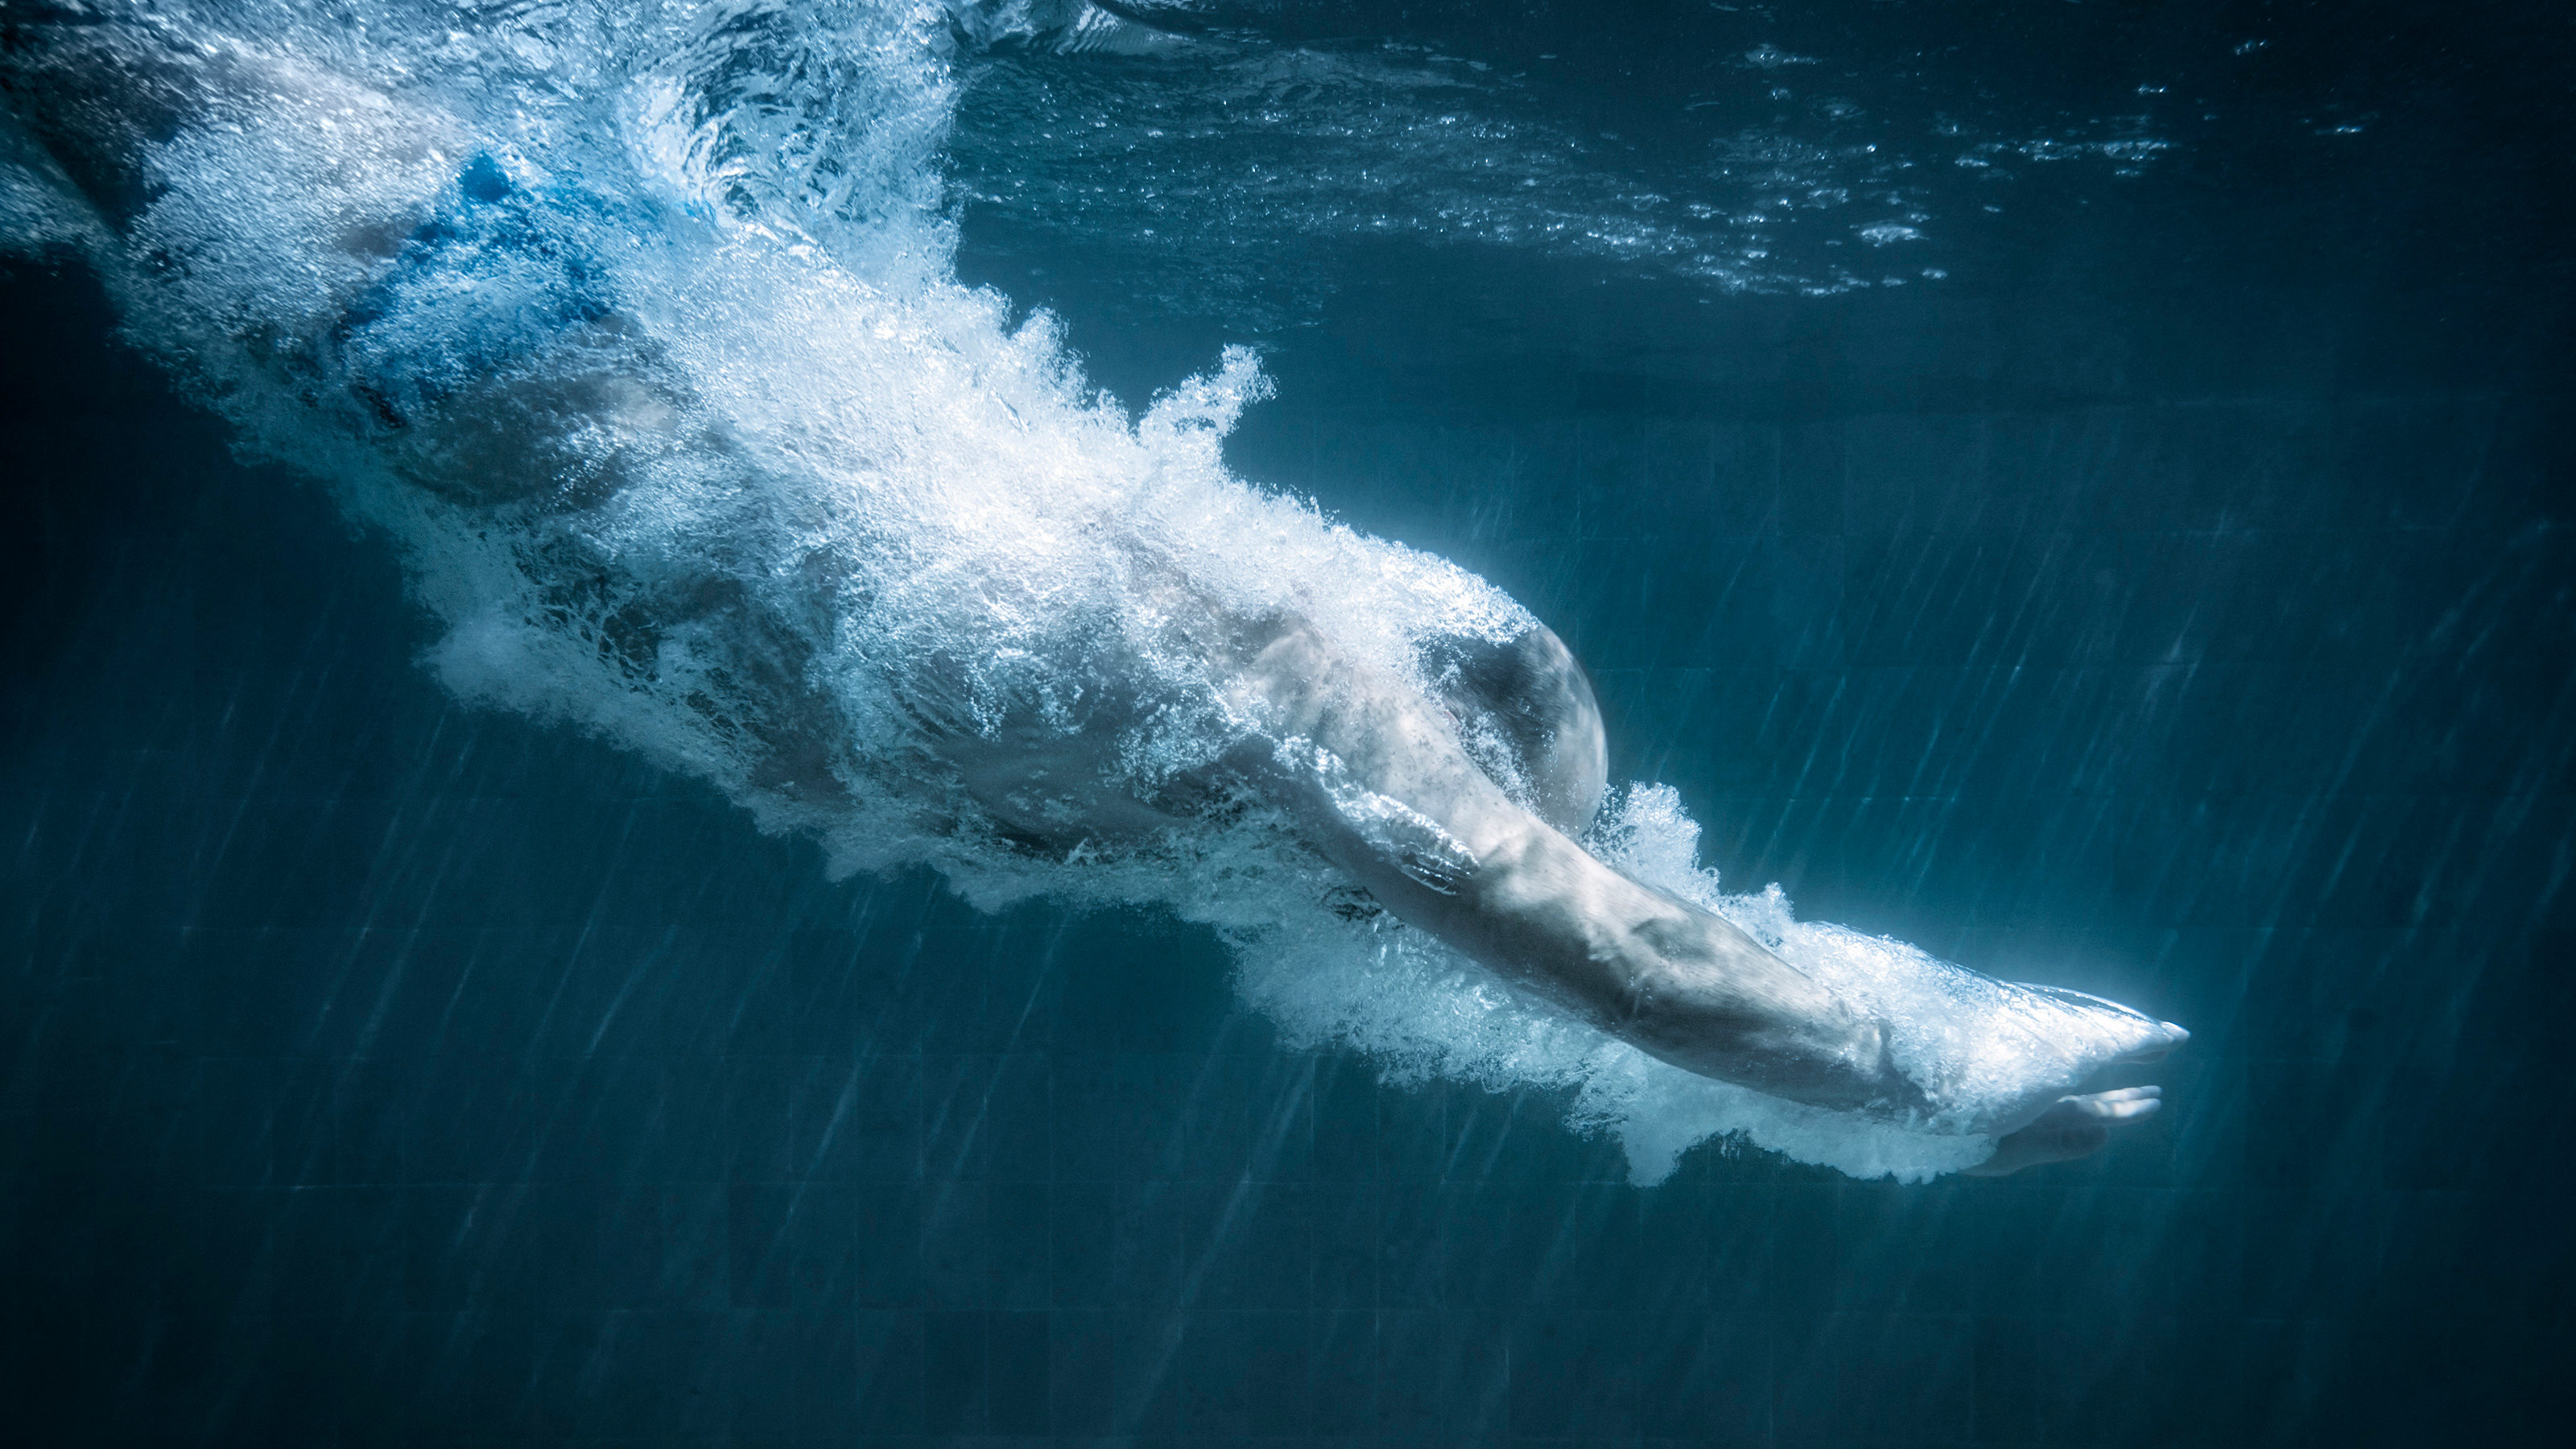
1395,800
1392,797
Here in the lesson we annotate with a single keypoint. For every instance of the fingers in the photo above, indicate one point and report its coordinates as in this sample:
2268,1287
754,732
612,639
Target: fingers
2075,1127
2123,1105
2156,1051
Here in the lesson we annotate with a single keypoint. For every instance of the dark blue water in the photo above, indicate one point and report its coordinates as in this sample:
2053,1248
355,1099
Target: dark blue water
2174,598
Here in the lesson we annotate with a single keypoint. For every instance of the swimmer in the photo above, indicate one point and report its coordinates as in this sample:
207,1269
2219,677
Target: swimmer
1455,805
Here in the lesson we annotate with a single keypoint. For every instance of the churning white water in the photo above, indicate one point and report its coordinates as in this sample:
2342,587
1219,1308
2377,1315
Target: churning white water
634,322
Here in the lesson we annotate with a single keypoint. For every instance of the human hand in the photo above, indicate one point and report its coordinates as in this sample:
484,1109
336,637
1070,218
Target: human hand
2074,1127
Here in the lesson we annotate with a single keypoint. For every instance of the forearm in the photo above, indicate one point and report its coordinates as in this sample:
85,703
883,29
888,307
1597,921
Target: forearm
1671,979
1514,893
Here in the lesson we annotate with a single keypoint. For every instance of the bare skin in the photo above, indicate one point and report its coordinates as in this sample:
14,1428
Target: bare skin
2075,1127
1674,980
1455,808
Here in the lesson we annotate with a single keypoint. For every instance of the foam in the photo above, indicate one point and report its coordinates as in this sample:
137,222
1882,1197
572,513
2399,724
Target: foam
691,439
40,212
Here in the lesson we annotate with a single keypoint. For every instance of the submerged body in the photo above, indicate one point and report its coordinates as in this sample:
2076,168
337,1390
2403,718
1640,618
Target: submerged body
876,612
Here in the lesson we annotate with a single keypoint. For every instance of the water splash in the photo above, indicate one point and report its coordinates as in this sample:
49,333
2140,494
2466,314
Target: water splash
635,325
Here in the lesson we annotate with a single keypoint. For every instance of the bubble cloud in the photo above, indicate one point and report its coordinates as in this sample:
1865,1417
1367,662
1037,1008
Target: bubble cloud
634,325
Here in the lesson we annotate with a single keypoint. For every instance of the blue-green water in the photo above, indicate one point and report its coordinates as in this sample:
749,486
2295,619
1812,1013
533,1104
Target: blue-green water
2171,598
